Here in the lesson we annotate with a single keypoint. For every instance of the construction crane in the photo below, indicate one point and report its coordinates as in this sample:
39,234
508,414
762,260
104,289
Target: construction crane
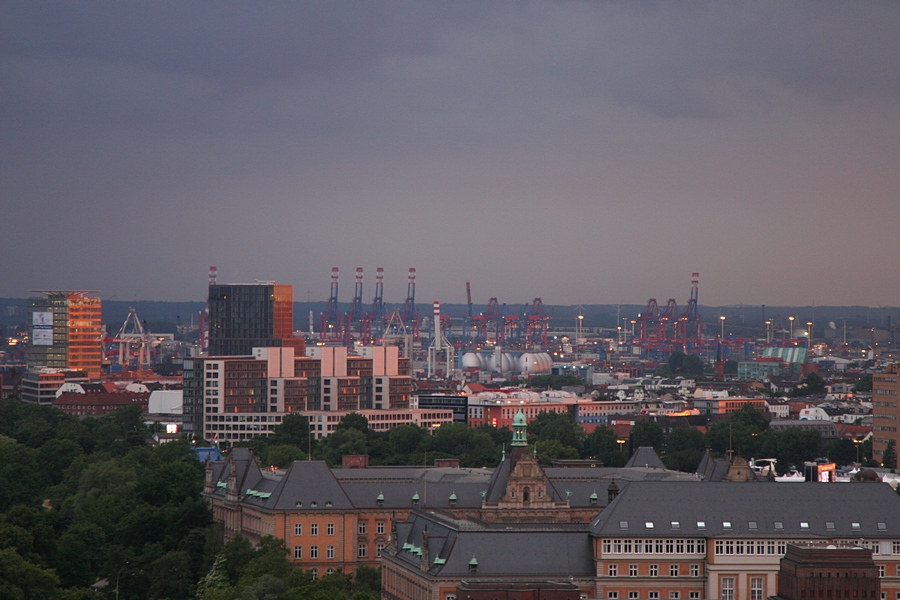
330,320
373,321
408,314
353,318
134,342
690,326
537,323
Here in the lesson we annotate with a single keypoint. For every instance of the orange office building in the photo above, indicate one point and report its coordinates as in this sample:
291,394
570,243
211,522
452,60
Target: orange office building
66,332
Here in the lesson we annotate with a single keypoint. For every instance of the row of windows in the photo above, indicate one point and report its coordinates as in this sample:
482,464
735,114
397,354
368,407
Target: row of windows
362,551
652,570
329,528
730,547
660,546
654,595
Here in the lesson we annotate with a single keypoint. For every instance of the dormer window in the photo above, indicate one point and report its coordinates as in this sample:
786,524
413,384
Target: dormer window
701,524
380,500
594,499
752,525
453,499
726,524
623,524
676,525
855,526
649,524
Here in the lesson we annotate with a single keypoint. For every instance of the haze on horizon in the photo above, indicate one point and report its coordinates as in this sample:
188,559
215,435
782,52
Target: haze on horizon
583,152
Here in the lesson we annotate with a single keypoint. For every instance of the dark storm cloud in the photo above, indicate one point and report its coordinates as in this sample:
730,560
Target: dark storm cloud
471,139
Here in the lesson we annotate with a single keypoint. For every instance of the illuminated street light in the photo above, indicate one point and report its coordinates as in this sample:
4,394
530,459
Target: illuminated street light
809,333
791,319
722,318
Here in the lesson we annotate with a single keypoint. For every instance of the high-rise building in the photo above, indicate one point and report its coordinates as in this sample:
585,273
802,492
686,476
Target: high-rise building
885,412
66,332
243,316
235,398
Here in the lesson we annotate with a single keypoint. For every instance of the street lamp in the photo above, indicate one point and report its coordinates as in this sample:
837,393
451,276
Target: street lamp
722,319
621,444
857,442
791,319
809,333
768,332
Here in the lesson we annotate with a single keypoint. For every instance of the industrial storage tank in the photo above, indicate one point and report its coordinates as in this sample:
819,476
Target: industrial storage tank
507,362
474,360
535,363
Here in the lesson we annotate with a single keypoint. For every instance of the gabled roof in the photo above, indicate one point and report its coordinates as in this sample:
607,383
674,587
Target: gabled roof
704,509
645,457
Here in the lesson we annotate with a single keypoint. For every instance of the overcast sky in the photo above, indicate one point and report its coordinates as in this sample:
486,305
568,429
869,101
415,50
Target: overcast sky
583,152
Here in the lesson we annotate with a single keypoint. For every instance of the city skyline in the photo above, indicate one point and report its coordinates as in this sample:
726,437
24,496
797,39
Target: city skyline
585,153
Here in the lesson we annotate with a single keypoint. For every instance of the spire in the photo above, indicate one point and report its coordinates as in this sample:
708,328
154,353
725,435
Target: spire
519,426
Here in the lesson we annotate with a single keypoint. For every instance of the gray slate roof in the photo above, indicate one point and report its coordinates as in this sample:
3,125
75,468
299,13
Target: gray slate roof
544,551
645,456
308,482
855,510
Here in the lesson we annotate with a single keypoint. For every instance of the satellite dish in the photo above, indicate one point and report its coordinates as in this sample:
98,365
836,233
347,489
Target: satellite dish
832,325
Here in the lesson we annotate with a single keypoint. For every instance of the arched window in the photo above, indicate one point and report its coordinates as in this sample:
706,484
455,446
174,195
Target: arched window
526,495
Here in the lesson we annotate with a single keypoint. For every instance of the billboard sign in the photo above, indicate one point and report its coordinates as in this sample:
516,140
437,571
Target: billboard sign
42,329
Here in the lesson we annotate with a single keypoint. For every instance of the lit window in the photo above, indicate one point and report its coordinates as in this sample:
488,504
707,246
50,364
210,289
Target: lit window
649,524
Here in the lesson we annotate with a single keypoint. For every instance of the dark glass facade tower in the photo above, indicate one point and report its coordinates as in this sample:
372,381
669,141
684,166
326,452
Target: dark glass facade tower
247,316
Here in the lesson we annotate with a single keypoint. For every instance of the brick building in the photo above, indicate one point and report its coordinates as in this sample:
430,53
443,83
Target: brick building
885,410
828,571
